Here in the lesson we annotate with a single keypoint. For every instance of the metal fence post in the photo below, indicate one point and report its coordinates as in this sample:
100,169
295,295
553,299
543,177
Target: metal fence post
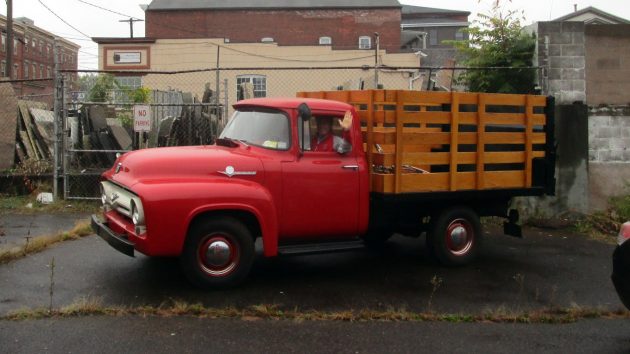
226,96
58,131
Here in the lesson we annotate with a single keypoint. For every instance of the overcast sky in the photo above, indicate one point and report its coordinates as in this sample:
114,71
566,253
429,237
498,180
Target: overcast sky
90,21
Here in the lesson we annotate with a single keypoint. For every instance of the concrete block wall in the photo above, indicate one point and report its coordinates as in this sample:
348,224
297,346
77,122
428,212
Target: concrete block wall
609,135
608,65
609,154
561,51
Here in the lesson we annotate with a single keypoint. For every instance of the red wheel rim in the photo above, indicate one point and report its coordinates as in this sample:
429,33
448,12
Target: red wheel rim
218,255
459,237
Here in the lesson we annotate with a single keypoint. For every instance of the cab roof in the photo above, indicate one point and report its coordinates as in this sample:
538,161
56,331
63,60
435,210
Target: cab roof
293,103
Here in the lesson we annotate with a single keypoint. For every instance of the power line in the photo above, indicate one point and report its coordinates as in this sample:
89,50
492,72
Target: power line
108,10
62,20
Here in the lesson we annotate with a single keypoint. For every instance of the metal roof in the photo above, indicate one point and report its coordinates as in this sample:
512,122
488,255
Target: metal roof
596,12
267,4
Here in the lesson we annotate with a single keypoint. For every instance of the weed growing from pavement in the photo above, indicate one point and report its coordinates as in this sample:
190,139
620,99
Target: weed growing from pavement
94,307
436,282
37,244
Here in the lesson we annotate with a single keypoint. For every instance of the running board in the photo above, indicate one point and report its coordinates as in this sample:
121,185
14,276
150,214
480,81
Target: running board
322,247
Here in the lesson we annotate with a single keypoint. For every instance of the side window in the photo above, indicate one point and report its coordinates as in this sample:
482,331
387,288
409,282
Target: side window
324,134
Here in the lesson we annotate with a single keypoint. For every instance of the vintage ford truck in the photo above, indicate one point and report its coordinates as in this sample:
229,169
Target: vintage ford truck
414,162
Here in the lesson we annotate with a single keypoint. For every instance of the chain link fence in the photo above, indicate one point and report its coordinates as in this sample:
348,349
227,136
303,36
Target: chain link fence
99,113
26,136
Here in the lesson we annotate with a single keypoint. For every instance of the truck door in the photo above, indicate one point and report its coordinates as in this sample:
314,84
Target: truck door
320,190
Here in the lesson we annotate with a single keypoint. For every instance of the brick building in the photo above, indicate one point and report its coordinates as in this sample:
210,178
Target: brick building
341,24
33,57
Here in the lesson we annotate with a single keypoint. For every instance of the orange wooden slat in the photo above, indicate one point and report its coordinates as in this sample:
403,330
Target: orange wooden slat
454,141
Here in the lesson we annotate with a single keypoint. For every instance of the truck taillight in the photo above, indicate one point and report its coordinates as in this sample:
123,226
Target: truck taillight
624,233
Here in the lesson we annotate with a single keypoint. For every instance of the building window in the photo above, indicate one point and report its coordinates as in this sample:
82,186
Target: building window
325,41
3,68
34,71
433,37
41,71
258,82
16,71
267,40
4,42
26,70
131,82
49,72
15,47
365,42
26,40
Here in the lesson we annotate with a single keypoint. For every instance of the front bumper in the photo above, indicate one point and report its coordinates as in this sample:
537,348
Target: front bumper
118,242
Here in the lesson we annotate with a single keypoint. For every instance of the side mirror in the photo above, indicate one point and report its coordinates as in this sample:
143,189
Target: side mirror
304,111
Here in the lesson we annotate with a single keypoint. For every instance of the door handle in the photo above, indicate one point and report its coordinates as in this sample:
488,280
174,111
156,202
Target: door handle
350,167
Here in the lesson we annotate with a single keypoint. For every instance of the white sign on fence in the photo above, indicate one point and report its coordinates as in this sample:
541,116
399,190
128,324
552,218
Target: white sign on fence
141,118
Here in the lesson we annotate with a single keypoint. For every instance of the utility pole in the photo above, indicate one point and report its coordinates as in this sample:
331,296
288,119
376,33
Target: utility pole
9,60
131,20
377,49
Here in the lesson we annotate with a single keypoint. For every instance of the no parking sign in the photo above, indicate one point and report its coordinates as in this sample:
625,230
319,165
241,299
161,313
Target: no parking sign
141,118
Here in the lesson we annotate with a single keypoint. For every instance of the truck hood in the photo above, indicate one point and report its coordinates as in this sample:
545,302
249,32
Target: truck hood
164,165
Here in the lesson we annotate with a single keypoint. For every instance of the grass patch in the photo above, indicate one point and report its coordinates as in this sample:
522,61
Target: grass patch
93,307
20,205
39,243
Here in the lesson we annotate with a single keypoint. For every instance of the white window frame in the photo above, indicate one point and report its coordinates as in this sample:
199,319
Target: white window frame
362,45
325,40
259,83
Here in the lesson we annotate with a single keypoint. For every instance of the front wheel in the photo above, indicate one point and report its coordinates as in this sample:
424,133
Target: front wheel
218,253
455,236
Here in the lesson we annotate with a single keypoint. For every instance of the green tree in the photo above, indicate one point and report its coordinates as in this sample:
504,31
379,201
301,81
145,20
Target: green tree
102,85
498,40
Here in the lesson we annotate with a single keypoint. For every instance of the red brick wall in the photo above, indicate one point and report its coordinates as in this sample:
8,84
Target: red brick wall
286,27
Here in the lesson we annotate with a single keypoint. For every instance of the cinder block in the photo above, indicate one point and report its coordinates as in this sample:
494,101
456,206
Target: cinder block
561,62
592,155
560,38
559,85
600,144
572,50
555,74
578,85
573,74
555,50
616,156
604,133
626,156
569,97
549,27
618,143
578,37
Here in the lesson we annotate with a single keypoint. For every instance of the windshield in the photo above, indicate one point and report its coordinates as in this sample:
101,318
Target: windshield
268,129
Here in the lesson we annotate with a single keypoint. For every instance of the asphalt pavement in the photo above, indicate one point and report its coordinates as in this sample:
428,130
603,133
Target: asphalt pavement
547,269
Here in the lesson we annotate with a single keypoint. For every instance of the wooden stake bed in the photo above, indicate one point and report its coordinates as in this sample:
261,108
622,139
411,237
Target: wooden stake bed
422,141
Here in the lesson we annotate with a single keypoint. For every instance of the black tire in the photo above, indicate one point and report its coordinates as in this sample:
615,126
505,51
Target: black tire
230,267
455,236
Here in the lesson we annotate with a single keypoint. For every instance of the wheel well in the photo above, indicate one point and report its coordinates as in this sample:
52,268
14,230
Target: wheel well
248,219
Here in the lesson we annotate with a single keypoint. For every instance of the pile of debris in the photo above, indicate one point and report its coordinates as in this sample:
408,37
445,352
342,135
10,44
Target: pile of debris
26,131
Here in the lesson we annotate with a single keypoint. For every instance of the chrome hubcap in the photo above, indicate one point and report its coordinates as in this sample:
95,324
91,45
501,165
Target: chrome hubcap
459,237
218,254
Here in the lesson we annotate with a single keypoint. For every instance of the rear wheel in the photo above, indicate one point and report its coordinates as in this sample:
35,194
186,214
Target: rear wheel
455,236
218,253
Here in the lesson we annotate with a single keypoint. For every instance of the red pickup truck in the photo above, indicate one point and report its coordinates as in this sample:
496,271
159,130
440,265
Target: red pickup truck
262,179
